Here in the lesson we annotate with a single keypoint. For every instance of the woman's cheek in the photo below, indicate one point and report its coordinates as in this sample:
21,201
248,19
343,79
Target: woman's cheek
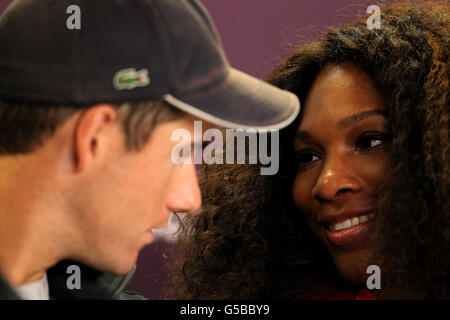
302,192
372,168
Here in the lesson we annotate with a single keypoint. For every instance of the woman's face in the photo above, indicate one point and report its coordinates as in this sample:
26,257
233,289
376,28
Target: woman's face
341,148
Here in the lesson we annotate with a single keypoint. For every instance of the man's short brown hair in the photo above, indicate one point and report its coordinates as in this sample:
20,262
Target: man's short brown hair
24,127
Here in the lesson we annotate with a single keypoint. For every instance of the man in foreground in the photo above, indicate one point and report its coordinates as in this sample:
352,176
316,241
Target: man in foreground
90,93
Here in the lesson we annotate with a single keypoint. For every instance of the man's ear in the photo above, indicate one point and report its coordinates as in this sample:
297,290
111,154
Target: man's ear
88,132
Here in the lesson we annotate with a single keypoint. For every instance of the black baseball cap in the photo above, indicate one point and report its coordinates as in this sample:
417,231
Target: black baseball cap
83,52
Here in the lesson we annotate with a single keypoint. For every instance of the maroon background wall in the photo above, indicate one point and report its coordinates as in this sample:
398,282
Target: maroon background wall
256,34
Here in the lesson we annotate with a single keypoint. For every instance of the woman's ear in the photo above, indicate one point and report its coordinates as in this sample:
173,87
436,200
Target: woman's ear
89,131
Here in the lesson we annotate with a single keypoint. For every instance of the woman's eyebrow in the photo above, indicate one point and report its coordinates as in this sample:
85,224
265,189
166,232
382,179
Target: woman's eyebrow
346,122
303,135
357,117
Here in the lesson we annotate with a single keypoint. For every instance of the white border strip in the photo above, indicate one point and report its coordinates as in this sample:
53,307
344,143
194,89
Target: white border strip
227,124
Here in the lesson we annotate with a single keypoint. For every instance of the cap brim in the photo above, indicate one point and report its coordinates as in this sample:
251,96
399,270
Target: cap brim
241,101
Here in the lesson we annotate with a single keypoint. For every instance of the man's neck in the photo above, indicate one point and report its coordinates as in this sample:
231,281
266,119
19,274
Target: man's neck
24,257
27,244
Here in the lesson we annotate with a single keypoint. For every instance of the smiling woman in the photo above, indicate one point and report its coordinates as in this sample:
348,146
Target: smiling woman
364,176
341,164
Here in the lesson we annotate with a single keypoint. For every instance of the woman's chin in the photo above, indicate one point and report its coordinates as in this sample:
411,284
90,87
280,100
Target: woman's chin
352,268
356,278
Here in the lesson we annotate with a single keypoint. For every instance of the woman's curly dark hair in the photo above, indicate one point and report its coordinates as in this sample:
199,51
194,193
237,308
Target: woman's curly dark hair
248,242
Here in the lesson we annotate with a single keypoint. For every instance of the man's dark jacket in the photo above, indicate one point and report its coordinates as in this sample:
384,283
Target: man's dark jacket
94,285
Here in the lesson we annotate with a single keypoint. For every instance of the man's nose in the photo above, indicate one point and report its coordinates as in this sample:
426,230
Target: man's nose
337,178
184,192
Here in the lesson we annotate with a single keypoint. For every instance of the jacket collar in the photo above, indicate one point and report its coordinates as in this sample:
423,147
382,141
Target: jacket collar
94,284
6,292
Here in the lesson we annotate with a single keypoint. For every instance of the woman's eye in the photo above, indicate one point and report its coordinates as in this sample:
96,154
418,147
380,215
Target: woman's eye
306,157
367,142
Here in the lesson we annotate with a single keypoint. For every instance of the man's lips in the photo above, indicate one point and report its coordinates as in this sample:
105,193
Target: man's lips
346,227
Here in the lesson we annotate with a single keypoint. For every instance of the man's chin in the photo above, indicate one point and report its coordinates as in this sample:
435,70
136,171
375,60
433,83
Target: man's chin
120,266
122,271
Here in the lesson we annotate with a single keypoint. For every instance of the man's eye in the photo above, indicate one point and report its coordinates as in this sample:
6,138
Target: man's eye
306,157
367,142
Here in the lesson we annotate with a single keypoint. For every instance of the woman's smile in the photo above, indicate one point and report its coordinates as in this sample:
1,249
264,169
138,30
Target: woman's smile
346,227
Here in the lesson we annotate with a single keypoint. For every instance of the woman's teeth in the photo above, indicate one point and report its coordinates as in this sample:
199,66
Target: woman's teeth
351,222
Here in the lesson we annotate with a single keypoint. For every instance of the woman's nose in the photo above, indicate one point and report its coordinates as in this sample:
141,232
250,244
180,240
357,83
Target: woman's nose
337,178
